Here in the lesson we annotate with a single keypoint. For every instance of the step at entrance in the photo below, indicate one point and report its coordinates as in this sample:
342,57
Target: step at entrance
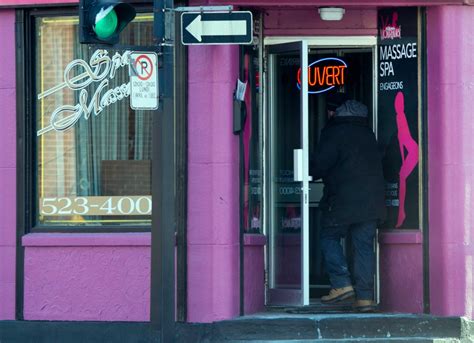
284,327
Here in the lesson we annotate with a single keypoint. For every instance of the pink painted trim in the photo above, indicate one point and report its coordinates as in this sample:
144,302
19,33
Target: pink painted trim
346,3
86,239
15,3
254,239
398,237
320,32
8,170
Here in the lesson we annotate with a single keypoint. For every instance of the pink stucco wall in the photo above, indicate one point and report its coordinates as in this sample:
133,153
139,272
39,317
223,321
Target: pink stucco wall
87,277
401,271
213,185
7,166
450,46
304,22
254,273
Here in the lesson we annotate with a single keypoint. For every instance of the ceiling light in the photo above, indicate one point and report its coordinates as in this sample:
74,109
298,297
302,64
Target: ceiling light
331,13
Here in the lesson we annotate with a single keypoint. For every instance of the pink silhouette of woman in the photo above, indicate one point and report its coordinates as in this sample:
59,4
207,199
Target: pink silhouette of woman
408,152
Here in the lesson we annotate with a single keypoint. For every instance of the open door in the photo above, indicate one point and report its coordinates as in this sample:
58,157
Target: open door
288,179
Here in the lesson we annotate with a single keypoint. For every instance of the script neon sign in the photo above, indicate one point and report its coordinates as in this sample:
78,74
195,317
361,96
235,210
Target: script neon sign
78,75
324,74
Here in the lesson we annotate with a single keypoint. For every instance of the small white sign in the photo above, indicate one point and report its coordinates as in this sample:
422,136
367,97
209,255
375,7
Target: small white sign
240,91
144,81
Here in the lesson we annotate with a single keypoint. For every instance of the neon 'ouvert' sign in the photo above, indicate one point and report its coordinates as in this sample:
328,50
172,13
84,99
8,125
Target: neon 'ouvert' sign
324,74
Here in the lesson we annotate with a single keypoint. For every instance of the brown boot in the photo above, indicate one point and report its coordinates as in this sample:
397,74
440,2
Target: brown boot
338,294
363,305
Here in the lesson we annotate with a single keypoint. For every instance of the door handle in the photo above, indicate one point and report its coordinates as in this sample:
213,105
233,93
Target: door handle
298,165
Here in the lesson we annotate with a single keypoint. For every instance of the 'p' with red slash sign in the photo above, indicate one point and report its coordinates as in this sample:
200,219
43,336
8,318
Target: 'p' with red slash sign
143,67
144,90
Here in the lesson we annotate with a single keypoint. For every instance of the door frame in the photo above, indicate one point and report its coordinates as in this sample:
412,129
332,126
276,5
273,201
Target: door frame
323,42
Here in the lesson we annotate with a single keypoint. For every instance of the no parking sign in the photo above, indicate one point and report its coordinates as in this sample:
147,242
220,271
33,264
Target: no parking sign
144,81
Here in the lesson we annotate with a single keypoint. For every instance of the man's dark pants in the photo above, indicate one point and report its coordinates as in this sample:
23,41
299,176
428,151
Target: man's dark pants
362,235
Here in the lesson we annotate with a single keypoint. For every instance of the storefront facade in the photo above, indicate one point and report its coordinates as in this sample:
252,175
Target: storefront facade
60,261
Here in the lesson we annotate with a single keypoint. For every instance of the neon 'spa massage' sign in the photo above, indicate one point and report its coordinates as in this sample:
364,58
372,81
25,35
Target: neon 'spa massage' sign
324,74
100,69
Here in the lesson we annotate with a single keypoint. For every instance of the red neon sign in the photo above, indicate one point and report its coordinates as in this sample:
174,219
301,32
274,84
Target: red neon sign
324,74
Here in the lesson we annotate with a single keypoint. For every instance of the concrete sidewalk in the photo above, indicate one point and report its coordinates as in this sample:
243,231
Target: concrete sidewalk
264,327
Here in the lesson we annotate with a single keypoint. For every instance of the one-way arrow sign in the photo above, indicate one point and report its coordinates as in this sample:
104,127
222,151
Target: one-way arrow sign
216,28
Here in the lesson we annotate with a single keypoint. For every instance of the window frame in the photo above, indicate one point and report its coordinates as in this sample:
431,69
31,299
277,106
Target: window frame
26,129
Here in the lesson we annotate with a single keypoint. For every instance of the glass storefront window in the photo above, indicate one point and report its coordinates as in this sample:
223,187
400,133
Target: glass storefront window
93,152
252,145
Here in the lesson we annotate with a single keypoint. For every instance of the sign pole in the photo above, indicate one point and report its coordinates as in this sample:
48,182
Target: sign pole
162,311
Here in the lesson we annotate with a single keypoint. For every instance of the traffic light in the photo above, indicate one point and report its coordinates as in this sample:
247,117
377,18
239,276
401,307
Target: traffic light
101,21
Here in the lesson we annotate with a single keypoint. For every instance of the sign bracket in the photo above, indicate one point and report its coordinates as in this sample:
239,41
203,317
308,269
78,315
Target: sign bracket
228,8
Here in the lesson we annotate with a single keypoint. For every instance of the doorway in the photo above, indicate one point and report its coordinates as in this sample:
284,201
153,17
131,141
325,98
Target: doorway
296,114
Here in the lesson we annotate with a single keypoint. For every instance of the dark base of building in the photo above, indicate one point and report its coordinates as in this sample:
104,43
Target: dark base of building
270,326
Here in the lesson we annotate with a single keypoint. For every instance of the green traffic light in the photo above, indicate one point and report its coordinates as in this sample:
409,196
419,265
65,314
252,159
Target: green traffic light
106,23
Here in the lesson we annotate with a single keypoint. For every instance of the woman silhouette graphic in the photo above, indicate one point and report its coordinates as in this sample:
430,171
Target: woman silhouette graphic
408,152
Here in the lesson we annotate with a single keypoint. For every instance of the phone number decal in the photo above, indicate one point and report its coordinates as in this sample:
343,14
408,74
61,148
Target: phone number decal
96,206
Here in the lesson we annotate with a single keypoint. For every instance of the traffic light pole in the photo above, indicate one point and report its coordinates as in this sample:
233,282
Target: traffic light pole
162,311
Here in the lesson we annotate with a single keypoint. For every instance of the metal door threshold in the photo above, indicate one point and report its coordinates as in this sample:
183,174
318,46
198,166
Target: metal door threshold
315,307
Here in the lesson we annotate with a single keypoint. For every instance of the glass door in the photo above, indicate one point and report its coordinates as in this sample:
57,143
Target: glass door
288,179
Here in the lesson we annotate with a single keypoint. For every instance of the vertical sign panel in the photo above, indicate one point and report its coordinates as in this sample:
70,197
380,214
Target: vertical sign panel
143,81
398,91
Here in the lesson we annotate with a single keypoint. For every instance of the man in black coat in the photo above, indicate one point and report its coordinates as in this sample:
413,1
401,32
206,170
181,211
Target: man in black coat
350,165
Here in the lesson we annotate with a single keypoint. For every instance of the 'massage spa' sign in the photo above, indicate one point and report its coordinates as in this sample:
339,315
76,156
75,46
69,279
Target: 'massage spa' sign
324,74
78,75
398,96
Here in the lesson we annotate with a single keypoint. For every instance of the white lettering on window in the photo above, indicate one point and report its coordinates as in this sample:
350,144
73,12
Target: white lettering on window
100,69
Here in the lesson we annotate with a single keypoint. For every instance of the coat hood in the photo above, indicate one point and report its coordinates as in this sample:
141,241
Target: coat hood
352,108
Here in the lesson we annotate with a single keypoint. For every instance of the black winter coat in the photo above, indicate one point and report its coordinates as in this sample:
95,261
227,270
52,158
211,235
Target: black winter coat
348,161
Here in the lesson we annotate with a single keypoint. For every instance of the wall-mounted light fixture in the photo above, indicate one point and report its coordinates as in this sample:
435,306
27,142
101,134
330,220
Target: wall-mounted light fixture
331,13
